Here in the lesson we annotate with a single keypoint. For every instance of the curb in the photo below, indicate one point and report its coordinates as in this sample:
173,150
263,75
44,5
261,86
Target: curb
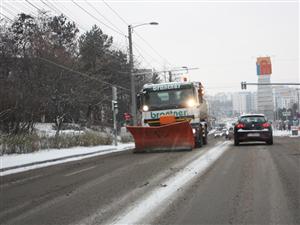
58,159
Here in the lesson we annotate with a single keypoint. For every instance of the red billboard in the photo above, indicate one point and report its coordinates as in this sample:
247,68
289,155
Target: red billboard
263,66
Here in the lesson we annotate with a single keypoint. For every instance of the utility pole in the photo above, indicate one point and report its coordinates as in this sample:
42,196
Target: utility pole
298,113
132,77
114,104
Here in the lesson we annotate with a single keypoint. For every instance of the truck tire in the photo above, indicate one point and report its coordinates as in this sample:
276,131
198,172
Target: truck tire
198,141
204,138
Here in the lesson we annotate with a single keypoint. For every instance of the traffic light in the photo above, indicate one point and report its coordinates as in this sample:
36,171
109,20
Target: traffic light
243,85
114,106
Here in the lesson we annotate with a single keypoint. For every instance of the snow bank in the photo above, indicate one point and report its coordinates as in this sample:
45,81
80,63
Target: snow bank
284,133
46,129
48,157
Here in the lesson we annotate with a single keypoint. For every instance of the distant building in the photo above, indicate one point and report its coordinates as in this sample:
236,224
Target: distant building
284,97
244,102
232,104
220,105
265,102
253,102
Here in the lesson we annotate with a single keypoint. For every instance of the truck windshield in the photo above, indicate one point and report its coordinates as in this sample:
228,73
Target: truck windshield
168,99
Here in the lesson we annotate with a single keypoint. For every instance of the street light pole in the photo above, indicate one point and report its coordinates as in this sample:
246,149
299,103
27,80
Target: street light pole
132,75
132,78
298,113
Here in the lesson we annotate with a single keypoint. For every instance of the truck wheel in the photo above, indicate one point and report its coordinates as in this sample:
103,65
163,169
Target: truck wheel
204,138
198,141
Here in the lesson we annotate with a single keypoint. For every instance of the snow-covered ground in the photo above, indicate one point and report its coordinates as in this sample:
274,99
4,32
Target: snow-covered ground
46,129
284,133
29,161
15,163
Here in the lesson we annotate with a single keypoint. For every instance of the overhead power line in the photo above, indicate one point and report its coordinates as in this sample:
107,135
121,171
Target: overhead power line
139,51
153,49
37,8
81,73
58,11
140,54
116,13
24,7
51,7
6,17
145,41
10,12
146,52
68,16
104,24
12,8
107,20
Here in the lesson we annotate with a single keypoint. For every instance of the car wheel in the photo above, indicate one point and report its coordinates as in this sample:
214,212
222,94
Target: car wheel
236,141
270,142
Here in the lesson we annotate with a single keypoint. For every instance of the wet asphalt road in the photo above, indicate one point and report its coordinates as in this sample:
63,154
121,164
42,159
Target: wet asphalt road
248,184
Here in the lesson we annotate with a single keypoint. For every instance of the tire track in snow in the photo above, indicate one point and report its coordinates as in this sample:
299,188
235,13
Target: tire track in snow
158,198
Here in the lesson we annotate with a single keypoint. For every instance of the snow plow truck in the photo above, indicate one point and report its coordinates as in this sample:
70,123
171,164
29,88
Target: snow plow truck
173,117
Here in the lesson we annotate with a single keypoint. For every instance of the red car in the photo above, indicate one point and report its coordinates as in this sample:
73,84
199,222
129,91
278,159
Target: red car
253,127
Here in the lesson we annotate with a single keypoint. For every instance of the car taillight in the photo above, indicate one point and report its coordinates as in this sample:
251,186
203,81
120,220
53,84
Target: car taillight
266,125
240,125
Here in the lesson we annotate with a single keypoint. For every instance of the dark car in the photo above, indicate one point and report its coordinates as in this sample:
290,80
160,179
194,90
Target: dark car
253,127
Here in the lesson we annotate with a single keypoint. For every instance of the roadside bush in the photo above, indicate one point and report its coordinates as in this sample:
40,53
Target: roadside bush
92,138
21,143
68,126
32,142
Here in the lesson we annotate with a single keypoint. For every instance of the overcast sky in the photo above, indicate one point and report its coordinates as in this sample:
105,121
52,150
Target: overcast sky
221,38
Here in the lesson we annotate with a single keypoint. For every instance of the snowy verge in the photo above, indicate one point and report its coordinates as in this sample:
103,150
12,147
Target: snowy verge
46,129
15,163
284,133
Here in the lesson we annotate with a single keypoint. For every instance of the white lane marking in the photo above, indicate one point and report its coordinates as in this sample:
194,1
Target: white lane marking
139,210
79,171
20,181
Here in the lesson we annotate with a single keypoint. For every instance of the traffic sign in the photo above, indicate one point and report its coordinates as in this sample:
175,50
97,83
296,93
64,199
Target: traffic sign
263,66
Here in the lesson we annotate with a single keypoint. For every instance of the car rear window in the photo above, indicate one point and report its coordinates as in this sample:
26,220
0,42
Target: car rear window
253,119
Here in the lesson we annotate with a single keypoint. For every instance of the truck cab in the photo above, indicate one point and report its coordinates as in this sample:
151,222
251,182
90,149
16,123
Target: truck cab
183,100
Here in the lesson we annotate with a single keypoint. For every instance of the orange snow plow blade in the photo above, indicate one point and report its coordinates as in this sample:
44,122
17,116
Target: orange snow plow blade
172,136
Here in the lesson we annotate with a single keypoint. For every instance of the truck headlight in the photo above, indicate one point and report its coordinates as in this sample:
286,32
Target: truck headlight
145,108
194,130
191,103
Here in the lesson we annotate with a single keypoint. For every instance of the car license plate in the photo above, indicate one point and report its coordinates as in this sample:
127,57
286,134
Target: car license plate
253,135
